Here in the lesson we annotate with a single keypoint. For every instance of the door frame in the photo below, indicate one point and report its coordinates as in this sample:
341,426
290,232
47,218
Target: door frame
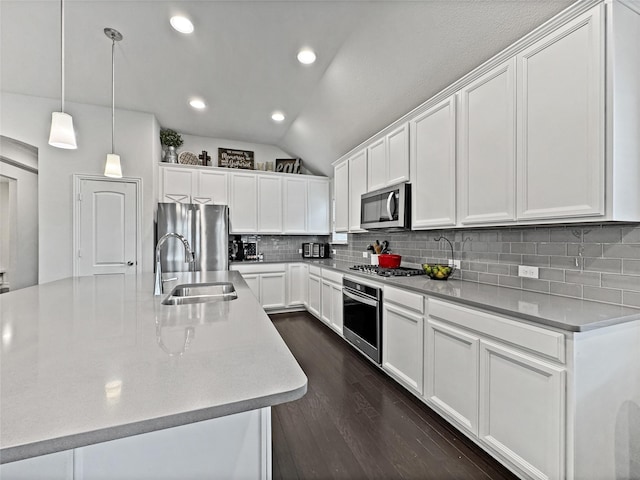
77,180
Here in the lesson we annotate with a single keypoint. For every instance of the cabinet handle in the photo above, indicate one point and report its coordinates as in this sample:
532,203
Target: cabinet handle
129,263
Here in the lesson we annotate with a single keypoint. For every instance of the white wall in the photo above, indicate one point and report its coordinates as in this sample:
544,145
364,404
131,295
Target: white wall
27,119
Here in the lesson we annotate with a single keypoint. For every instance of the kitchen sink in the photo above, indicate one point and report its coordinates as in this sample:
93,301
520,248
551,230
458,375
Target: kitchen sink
200,293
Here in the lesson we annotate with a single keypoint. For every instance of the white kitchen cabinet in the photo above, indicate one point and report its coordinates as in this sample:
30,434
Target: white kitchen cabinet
451,374
295,205
267,281
522,410
433,166
331,299
269,204
243,202
55,466
177,184
403,337
397,165
561,121
487,148
318,206
377,164
298,284
315,291
357,186
211,187
341,196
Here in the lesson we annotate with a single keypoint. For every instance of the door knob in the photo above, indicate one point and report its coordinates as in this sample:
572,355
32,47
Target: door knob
129,264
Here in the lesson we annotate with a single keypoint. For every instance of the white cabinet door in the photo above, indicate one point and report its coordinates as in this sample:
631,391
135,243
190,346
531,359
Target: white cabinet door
298,281
211,187
177,184
269,204
522,410
341,195
315,295
336,308
243,202
295,205
326,311
318,204
561,122
433,166
253,282
273,290
357,186
377,164
398,155
55,466
451,373
403,346
487,148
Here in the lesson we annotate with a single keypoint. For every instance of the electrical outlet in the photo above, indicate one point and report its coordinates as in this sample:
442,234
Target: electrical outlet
299,250
527,271
333,251
365,254
456,263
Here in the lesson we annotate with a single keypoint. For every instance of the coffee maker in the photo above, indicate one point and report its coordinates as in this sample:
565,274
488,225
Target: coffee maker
236,249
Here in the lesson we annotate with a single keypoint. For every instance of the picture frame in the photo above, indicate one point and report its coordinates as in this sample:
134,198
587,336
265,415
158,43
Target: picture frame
288,165
234,158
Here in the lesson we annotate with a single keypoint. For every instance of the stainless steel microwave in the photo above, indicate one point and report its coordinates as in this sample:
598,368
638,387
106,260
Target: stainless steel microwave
386,209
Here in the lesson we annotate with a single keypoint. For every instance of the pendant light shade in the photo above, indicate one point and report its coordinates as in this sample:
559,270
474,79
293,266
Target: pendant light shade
62,134
112,166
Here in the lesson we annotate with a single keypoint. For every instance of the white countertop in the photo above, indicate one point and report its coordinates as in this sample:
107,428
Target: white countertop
91,359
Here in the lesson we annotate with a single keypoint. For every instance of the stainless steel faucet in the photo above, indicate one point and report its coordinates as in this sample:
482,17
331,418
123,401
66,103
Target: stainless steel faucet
189,257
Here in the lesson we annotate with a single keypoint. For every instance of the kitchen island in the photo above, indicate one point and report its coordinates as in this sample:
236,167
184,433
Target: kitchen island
88,360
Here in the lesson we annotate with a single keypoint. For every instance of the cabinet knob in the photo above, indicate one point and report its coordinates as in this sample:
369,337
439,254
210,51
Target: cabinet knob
129,263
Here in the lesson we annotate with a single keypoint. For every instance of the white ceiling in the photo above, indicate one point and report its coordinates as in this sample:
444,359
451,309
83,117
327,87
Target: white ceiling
376,61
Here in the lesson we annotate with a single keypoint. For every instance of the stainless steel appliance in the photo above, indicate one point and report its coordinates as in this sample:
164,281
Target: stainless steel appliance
388,272
386,209
315,250
362,317
206,228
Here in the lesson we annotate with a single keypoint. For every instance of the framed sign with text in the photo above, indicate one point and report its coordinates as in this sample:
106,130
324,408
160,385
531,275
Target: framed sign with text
288,165
231,158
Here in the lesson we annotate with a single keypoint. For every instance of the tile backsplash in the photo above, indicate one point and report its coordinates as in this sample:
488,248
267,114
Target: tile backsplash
278,248
594,262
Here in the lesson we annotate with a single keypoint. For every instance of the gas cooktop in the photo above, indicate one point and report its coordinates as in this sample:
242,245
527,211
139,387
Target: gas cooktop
387,272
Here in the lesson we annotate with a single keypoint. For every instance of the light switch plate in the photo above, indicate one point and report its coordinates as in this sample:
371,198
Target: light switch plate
365,254
299,250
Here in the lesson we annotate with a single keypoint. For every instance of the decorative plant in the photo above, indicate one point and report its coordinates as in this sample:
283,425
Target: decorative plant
170,138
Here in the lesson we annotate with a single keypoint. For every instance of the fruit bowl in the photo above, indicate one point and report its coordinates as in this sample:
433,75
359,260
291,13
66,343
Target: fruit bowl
438,271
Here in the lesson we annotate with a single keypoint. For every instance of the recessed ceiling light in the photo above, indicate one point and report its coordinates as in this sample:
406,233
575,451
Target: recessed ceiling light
197,103
277,116
181,24
306,56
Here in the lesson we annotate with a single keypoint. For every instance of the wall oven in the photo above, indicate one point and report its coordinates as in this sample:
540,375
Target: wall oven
362,317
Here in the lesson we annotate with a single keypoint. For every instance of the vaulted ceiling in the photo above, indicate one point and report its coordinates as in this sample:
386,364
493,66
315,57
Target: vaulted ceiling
377,60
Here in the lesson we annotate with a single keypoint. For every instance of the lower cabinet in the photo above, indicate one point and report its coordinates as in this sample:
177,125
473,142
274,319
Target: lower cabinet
403,337
315,291
268,282
234,446
331,295
298,287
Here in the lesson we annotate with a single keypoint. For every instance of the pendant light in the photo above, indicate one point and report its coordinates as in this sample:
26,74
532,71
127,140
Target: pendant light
112,166
62,134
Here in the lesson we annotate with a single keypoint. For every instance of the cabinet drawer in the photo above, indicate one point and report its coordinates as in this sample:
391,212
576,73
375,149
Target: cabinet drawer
540,340
315,270
332,276
259,267
412,301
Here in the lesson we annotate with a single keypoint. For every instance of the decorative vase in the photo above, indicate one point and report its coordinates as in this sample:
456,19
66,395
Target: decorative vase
171,156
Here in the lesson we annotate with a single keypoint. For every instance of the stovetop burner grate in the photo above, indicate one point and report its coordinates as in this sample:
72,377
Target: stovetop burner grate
387,272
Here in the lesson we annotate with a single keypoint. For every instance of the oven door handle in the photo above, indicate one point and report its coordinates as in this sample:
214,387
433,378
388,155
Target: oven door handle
360,298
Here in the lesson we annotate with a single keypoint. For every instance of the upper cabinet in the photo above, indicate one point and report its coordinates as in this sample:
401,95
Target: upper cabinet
388,159
487,148
544,132
258,202
357,186
341,196
561,122
433,166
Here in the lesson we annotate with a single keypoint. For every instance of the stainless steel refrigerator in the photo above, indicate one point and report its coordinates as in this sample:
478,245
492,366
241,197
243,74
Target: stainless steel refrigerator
206,227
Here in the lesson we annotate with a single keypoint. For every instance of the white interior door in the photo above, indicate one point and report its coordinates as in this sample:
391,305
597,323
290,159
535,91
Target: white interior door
106,227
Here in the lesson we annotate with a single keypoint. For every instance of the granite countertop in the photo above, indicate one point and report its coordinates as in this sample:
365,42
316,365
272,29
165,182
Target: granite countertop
563,313
91,359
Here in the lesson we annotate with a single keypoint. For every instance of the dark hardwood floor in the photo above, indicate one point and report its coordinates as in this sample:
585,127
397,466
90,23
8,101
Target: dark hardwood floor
357,423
